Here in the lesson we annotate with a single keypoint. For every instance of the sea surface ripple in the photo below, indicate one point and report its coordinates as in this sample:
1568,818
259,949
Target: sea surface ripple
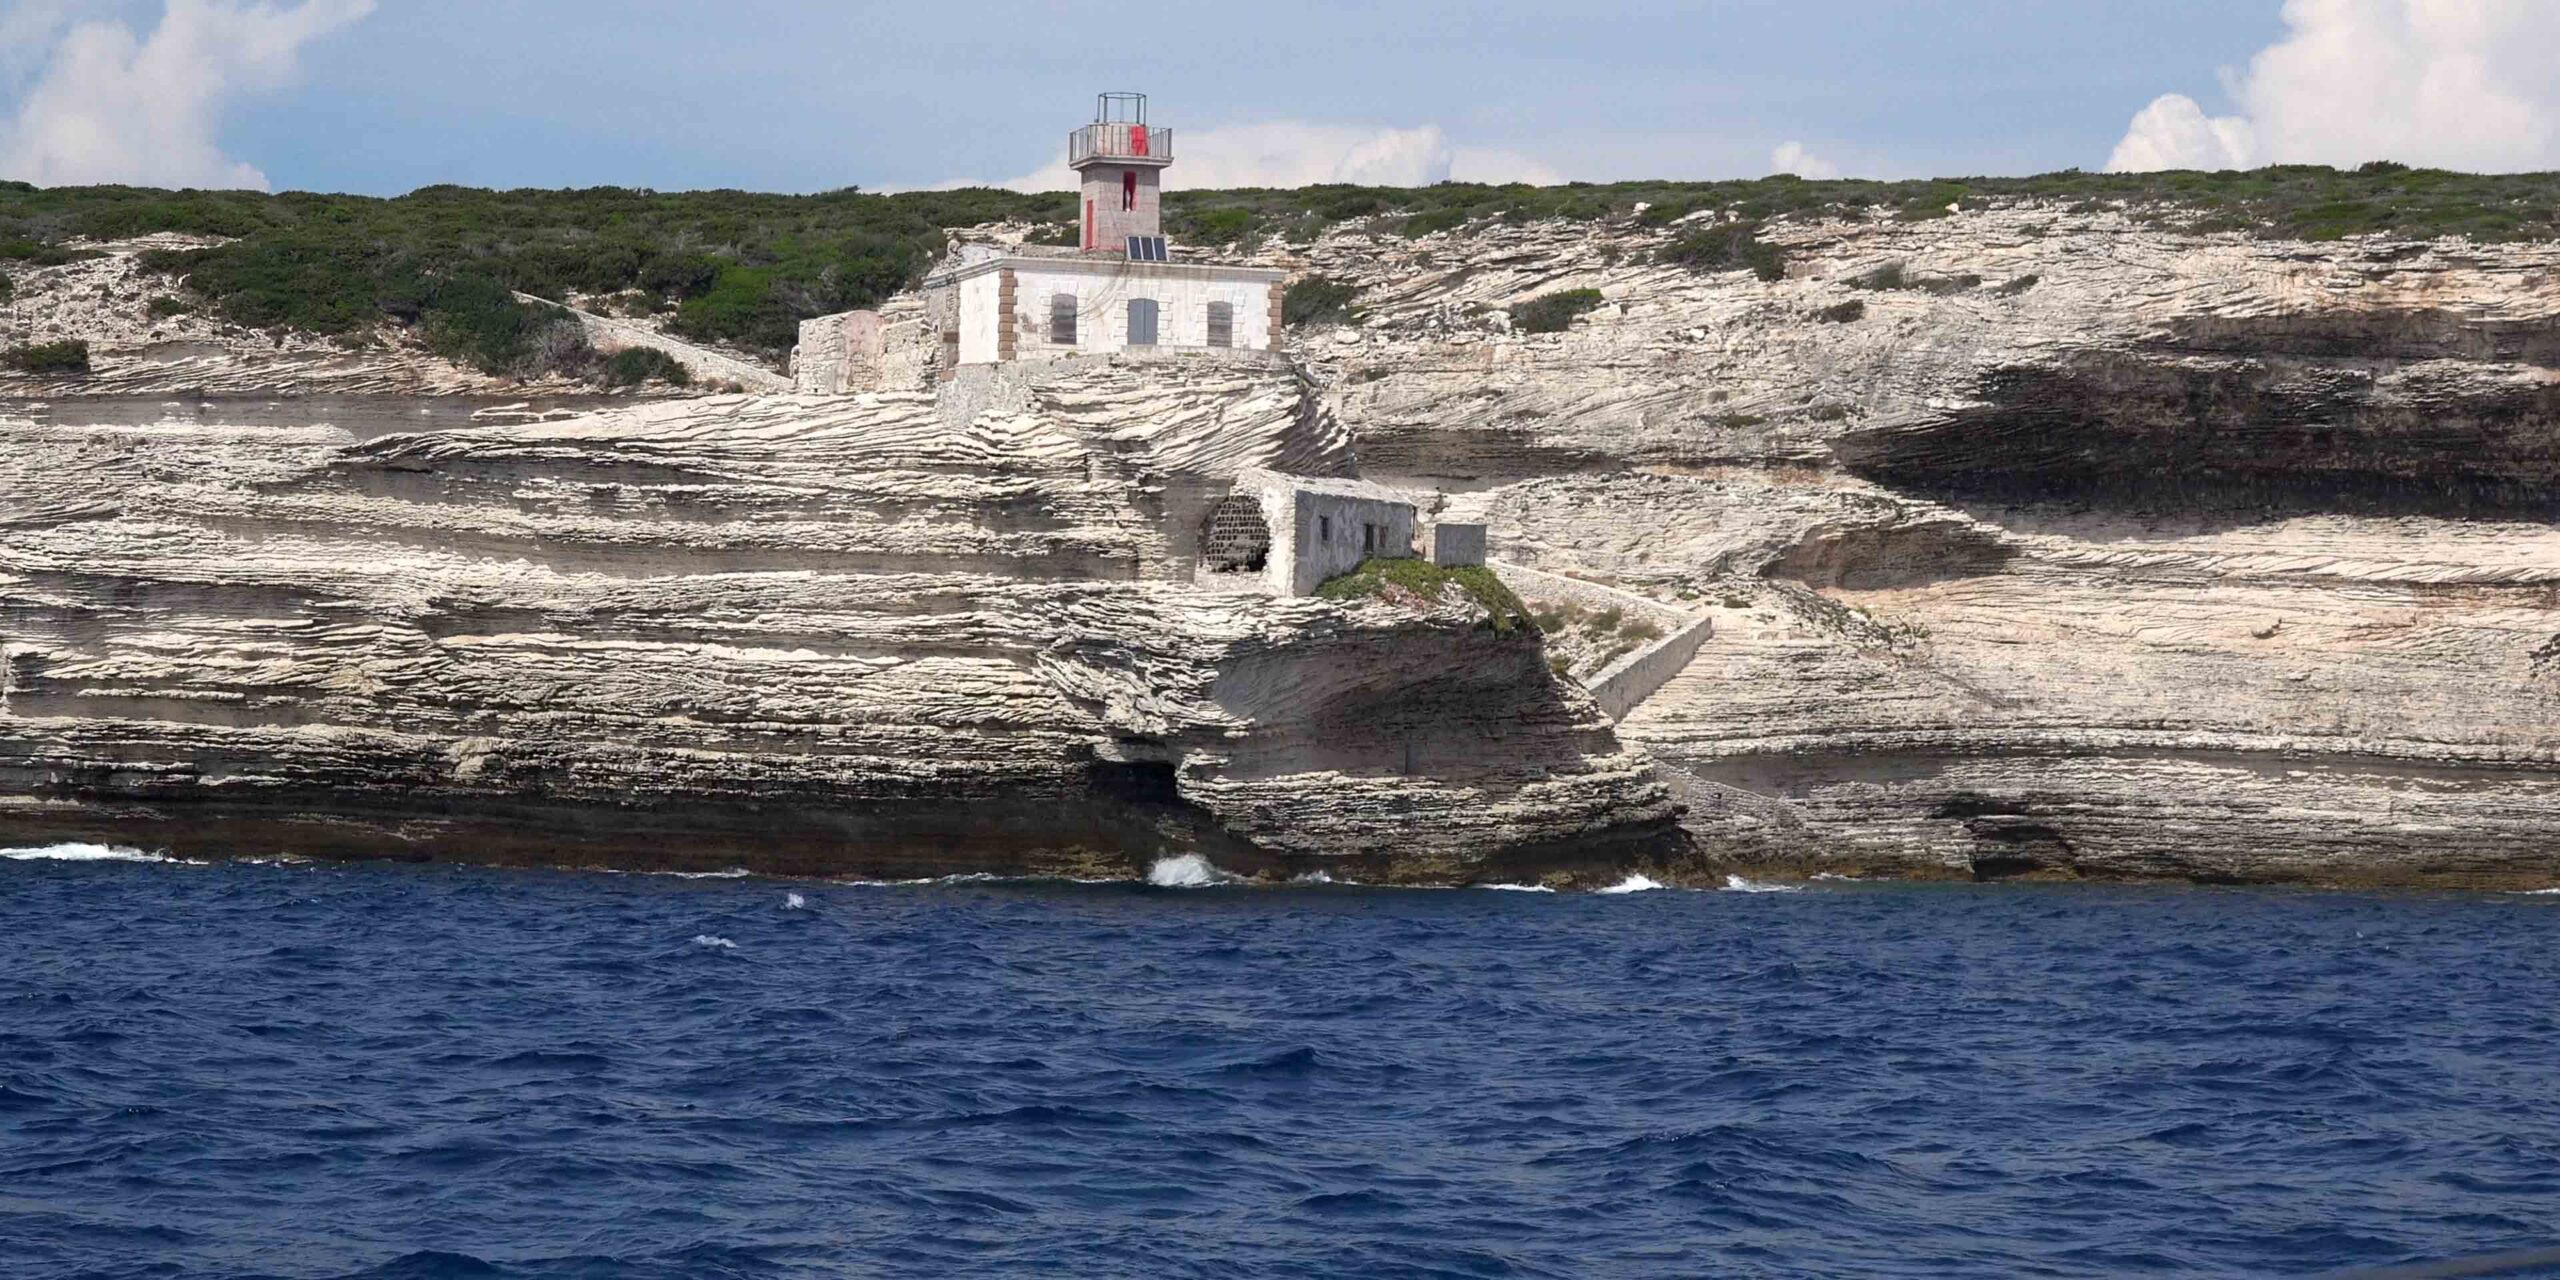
408,1072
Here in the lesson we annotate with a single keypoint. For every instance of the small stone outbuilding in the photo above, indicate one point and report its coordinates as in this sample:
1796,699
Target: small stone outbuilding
1291,533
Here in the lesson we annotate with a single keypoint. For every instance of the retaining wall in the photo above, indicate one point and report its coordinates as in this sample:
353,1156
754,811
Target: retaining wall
1625,684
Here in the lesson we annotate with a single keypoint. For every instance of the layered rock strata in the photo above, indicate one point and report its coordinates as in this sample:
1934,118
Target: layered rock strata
2038,541
838,635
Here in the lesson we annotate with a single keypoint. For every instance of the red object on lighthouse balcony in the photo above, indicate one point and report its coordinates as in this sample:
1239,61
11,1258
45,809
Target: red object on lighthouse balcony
1137,139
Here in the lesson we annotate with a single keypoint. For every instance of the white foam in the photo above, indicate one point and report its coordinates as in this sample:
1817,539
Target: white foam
714,941
1736,884
2535,893
1535,888
1187,871
82,853
733,873
1311,877
794,902
1634,883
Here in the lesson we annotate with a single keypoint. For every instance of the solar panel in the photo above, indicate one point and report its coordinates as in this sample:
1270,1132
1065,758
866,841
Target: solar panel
1146,249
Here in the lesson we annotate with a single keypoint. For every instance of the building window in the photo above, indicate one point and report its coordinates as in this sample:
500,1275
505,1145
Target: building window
1324,528
1142,322
1222,324
1368,538
1062,319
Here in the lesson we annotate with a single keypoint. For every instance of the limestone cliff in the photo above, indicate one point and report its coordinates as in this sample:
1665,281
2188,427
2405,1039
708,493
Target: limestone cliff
2039,540
873,635
2036,540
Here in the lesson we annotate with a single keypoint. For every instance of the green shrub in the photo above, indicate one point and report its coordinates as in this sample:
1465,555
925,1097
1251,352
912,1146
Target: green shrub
1553,312
68,356
1379,578
1943,286
1843,313
1218,226
1726,246
1318,300
1431,220
633,366
43,255
164,306
7,290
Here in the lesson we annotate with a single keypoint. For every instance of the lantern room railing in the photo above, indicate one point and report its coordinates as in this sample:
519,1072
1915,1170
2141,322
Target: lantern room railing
1120,140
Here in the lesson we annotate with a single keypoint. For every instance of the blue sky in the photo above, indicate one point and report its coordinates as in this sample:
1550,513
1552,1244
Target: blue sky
382,96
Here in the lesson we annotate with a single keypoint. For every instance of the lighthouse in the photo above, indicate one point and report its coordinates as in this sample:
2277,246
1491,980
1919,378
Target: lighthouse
1120,160
1118,293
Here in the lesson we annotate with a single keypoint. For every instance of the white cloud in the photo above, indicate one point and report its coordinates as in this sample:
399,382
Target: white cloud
109,107
2457,84
1292,153
1791,157
28,29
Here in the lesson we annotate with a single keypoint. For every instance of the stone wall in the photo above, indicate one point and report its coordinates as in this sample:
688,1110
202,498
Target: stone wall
1624,685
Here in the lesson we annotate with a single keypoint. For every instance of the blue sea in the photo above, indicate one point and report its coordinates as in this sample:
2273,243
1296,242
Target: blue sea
399,1071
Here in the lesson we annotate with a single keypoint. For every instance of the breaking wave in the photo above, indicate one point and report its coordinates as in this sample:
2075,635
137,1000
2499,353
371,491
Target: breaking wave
1634,883
82,853
1736,884
714,941
1186,871
794,902
1522,888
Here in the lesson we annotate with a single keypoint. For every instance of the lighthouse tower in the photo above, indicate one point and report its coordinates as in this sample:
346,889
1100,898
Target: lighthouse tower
1120,160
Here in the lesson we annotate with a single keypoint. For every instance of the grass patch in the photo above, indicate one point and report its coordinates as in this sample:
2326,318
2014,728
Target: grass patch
1318,300
164,306
1727,246
632,366
1554,312
1386,579
70,356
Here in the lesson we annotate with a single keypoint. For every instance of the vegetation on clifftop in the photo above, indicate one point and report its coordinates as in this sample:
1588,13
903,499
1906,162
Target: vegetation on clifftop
70,356
744,269
1554,312
1422,582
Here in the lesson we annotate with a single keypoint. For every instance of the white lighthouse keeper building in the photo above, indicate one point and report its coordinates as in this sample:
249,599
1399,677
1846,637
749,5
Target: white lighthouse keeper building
1120,288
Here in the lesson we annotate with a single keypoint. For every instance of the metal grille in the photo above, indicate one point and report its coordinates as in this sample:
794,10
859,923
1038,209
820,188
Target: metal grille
1237,539
1062,319
1222,324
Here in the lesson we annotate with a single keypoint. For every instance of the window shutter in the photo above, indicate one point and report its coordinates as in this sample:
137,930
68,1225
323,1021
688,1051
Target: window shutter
1062,319
1222,324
